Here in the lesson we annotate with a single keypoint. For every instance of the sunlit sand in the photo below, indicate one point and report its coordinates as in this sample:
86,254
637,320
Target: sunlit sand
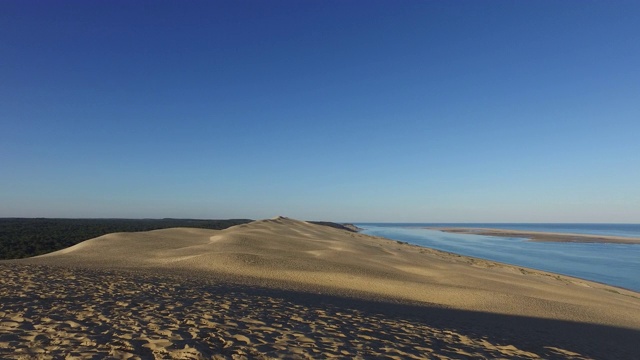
286,288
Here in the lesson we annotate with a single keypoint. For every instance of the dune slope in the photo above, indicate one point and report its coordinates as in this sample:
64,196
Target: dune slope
293,254
283,288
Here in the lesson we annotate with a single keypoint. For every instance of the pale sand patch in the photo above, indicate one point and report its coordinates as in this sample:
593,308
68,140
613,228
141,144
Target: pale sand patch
541,236
489,309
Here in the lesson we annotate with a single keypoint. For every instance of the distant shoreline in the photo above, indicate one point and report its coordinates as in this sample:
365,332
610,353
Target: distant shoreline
540,236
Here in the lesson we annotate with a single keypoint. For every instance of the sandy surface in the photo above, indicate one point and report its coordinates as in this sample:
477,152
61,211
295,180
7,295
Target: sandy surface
283,288
542,236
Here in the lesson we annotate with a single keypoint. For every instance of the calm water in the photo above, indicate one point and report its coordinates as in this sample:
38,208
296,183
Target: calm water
614,264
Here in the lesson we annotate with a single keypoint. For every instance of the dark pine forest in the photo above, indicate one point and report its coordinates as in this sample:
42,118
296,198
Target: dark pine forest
25,237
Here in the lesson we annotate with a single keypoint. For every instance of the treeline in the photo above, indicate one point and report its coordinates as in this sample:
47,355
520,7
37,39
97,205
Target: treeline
22,237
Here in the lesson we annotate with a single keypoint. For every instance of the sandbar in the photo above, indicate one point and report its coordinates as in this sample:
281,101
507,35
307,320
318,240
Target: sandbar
541,236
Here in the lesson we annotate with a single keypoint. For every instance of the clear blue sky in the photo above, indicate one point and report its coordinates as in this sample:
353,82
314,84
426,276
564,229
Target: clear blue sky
423,111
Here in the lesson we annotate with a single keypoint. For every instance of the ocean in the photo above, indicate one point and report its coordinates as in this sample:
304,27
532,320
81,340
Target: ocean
613,264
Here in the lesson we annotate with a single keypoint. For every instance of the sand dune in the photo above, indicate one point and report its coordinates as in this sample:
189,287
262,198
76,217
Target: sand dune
333,281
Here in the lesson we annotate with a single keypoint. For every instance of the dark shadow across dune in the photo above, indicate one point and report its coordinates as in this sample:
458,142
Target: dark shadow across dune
107,305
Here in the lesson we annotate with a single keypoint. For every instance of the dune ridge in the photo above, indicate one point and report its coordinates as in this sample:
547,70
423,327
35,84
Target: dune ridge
295,256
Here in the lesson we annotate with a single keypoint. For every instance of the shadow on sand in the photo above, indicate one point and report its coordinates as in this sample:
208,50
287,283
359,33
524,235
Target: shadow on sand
59,311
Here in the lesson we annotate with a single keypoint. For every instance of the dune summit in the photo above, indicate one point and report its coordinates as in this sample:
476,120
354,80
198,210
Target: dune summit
533,313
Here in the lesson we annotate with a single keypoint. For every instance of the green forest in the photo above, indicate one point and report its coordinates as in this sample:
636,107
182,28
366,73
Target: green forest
25,237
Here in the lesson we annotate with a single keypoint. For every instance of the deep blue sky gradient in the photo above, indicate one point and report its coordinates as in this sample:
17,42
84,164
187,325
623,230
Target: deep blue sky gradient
428,111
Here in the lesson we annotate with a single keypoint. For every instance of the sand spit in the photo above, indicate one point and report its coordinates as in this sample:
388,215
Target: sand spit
542,236
282,288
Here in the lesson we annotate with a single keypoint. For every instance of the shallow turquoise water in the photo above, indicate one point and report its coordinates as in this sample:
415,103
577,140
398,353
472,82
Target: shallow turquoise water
614,264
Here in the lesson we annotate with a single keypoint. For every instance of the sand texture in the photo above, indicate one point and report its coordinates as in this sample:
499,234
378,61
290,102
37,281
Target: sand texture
282,288
542,236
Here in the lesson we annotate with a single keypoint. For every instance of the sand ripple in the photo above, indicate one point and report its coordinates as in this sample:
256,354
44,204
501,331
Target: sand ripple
57,313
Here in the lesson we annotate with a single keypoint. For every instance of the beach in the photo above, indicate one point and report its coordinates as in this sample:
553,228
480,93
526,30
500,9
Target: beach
283,288
541,236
